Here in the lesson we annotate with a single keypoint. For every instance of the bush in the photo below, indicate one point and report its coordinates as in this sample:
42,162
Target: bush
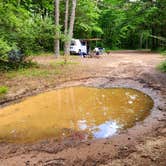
3,90
4,49
7,66
22,31
35,35
29,33
15,56
162,66
11,58
163,52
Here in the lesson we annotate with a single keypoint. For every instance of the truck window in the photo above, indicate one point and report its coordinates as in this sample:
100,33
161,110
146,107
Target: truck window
73,43
83,43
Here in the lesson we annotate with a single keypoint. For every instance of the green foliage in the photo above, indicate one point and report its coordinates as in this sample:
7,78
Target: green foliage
162,66
37,35
4,50
63,63
132,24
30,33
29,25
87,19
32,73
163,52
24,31
8,66
11,58
3,90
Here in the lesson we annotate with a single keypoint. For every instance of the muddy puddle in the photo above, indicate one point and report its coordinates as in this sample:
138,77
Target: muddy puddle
93,112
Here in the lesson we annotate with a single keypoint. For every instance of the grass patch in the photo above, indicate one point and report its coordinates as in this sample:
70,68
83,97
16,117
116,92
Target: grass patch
6,66
46,54
66,63
3,90
36,72
62,63
42,54
162,66
163,53
51,69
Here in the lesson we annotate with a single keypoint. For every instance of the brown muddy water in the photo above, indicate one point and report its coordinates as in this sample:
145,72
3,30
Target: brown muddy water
95,112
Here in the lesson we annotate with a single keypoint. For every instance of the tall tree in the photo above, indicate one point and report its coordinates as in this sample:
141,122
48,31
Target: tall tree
71,27
87,23
66,22
56,44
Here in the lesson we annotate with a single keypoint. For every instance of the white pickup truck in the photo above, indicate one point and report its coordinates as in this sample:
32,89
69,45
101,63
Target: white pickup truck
76,46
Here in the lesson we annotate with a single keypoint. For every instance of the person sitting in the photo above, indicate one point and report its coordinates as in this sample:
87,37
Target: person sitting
82,54
97,51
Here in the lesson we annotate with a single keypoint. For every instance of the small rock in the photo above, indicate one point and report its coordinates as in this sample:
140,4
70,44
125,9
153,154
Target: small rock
88,143
145,155
160,108
27,163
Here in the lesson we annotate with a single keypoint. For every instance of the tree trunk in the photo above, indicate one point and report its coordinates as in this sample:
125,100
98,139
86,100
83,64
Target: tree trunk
147,43
56,43
71,27
153,39
66,22
141,38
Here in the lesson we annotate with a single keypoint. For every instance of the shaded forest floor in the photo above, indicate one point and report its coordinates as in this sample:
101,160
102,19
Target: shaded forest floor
144,144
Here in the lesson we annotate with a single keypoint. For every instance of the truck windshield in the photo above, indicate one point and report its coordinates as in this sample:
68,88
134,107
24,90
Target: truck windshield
73,43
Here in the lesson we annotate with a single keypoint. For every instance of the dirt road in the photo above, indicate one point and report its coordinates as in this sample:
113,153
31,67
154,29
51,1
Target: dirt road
141,145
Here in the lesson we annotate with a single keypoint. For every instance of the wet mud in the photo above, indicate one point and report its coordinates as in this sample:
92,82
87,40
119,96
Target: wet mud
75,150
143,144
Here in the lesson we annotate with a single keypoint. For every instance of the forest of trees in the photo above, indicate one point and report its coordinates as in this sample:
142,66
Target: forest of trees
29,25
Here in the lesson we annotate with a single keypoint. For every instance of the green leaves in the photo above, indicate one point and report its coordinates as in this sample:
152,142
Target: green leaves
29,24
28,32
4,48
3,90
87,19
129,24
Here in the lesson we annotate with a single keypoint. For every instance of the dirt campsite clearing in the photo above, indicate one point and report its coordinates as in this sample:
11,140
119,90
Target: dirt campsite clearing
142,144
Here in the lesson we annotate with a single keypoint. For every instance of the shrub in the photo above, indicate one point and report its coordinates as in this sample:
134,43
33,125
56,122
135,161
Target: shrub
4,49
30,33
12,58
163,52
162,66
15,56
3,90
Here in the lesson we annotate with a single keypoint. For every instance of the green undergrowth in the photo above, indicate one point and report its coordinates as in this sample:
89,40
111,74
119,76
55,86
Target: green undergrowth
33,72
42,54
163,53
6,67
54,68
162,66
62,63
3,90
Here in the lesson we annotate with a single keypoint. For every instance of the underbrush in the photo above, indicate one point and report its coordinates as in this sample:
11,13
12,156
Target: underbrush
32,72
63,63
8,66
162,66
52,69
3,90
12,58
163,53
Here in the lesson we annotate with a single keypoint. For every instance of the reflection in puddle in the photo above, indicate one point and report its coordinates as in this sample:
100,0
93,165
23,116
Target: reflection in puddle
98,113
